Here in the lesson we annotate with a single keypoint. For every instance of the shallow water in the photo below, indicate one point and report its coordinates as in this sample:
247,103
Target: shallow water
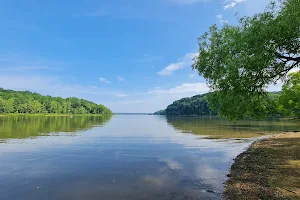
125,157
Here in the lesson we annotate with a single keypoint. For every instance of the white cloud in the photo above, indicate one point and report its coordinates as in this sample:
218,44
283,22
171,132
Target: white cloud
183,89
192,75
103,80
221,20
171,68
232,3
254,6
186,60
219,16
157,98
120,78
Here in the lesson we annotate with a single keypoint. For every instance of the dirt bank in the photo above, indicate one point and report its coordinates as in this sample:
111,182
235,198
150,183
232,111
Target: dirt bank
269,169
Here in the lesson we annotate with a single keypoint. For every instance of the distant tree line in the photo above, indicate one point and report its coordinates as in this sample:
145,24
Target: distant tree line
199,105
29,102
196,105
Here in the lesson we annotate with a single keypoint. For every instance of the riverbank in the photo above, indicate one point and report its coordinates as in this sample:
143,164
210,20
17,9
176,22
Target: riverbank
269,169
48,115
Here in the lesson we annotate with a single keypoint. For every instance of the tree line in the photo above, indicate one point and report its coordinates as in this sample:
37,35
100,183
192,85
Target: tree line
196,105
32,103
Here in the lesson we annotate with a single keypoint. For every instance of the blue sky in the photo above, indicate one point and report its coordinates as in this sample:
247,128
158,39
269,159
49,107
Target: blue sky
132,56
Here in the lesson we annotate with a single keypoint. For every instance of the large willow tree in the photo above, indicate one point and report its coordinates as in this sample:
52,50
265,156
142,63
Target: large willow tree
240,62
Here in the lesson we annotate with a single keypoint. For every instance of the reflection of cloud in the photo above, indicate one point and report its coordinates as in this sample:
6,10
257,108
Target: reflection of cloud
157,181
172,164
210,174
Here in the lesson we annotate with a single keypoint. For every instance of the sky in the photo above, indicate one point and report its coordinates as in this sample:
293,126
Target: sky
131,56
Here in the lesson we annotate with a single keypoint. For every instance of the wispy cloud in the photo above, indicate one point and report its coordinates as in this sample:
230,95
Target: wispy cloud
171,68
182,89
18,62
119,78
184,61
192,75
147,58
189,1
121,95
48,85
103,80
25,68
232,3
219,16
221,20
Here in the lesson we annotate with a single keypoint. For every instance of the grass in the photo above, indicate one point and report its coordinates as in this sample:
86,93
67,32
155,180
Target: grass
269,169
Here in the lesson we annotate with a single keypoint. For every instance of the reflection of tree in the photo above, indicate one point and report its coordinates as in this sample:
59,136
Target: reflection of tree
217,128
30,126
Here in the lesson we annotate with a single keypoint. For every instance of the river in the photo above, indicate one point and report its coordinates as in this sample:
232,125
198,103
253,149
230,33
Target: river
122,157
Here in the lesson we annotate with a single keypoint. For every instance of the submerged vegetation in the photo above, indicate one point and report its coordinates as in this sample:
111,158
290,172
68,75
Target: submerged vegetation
33,103
216,128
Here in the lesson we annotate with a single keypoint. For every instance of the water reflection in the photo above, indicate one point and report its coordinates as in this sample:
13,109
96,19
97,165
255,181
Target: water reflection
130,157
32,126
213,127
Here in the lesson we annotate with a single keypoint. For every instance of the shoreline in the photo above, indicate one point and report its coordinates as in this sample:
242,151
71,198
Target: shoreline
268,169
50,115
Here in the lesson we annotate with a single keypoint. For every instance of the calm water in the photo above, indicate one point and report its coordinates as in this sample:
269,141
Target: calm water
123,157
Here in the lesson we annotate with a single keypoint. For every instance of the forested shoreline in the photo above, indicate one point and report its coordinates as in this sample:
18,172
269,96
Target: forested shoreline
199,106
25,102
196,105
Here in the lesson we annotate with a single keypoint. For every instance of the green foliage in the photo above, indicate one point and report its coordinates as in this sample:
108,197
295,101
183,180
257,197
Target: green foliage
32,103
289,100
239,62
197,105
234,107
204,105
160,112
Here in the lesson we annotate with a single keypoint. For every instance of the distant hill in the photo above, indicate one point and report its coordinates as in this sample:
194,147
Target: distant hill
32,103
196,105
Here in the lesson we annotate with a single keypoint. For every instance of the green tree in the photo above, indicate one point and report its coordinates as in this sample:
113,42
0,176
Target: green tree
240,61
28,102
2,105
289,100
